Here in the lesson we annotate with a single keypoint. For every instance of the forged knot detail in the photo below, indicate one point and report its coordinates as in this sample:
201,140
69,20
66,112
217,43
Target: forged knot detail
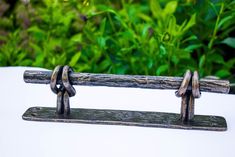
65,89
195,85
184,85
65,80
54,79
190,83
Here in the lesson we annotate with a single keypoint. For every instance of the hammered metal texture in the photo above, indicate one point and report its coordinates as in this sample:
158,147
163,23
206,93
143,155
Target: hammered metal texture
123,117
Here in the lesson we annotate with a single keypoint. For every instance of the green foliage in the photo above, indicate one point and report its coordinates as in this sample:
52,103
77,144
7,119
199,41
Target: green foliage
125,37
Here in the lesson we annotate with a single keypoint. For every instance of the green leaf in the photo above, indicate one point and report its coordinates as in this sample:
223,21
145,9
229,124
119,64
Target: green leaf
224,20
182,54
229,41
181,27
145,31
155,8
172,25
161,69
75,59
48,3
105,8
40,58
170,7
190,23
26,62
175,59
162,51
36,48
121,69
53,60
104,65
77,38
61,59
101,42
38,33
102,26
223,73
150,63
145,17
21,56
216,58
202,61
230,63
190,48
192,37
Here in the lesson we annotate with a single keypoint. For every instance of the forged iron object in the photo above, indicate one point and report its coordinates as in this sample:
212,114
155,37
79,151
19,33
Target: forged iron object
188,90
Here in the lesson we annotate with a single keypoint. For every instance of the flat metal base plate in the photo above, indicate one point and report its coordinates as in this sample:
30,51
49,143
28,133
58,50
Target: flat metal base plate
123,117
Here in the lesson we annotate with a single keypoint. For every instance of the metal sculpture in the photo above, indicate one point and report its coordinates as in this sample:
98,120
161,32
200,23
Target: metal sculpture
189,87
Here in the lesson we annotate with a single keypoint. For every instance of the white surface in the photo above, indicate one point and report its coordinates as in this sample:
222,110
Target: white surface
45,139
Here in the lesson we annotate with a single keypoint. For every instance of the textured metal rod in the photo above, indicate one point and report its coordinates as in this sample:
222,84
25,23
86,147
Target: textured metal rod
133,81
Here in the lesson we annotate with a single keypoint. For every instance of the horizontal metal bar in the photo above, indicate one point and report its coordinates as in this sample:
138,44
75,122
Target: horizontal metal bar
124,117
133,81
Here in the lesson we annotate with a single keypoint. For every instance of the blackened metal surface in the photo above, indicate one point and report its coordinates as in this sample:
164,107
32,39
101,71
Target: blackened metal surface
123,117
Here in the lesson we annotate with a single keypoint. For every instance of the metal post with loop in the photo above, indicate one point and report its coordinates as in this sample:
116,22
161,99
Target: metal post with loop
65,89
188,91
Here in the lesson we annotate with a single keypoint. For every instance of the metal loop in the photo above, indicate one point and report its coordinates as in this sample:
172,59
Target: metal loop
188,92
63,106
54,78
65,90
65,80
66,103
184,85
195,85
60,105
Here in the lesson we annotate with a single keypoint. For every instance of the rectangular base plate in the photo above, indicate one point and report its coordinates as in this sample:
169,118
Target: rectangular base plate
123,117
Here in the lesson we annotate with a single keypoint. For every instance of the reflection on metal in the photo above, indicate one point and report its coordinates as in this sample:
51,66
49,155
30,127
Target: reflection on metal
188,90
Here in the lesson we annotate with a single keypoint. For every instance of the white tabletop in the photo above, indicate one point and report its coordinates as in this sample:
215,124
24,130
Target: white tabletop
47,139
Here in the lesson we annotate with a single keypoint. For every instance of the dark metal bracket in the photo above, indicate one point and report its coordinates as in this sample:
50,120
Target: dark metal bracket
62,79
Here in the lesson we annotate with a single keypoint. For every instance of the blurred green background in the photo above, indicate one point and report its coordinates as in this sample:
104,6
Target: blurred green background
150,37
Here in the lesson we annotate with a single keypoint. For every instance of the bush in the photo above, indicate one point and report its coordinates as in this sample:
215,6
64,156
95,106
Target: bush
124,37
